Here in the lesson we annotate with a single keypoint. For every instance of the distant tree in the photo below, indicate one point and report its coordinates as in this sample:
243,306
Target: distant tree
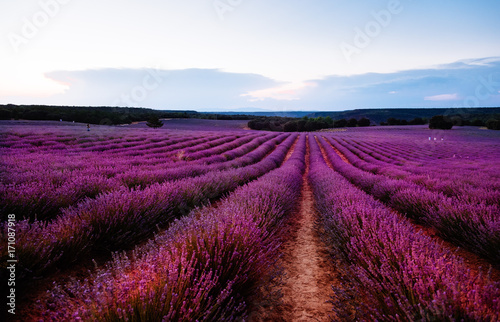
393,121
310,126
252,124
364,122
417,121
439,122
352,122
477,122
313,125
290,126
493,124
275,126
323,125
6,114
329,121
456,120
301,125
340,123
154,122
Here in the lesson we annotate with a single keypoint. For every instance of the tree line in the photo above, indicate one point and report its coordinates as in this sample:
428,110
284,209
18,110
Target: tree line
103,115
304,124
308,124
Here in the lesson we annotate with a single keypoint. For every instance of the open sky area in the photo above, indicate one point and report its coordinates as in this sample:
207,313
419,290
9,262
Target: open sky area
278,55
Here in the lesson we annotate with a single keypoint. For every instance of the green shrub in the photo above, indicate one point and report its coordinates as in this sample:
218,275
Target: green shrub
439,122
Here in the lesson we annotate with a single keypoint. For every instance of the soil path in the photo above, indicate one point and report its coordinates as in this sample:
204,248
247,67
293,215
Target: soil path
340,154
306,287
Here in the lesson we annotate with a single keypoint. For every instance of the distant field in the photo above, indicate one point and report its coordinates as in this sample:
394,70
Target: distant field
172,124
209,208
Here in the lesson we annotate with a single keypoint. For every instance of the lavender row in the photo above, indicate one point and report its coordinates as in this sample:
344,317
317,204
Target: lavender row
473,226
190,155
204,152
167,144
83,141
107,145
44,199
122,218
179,155
165,152
238,157
16,162
452,176
471,186
389,271
16,166
171,149
478,186
31,167
203,267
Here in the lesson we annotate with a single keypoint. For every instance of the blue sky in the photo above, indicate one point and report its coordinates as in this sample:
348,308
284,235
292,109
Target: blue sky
265,54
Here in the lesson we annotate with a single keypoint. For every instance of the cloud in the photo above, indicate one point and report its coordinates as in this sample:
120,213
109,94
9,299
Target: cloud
286,92
163,89
443,97
464,83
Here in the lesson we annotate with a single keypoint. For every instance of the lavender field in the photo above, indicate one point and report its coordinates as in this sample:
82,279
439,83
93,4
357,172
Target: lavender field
202,222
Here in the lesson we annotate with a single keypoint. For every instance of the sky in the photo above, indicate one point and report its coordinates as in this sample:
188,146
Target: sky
212,55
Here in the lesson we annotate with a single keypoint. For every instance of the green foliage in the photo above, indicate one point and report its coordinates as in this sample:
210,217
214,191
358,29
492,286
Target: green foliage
477,122
340,123
88,114
103,115
291,126
225,117
363,122
440,122
380,115
304,124
417,121
287,124
493,124
395,121
352,122
301,125
154,122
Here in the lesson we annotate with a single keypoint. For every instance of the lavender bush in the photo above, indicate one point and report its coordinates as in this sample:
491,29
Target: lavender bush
475,226
122,218
202,268
391,272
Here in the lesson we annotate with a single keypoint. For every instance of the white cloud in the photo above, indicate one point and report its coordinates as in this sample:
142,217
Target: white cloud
210,89
157,88
286,92
443,97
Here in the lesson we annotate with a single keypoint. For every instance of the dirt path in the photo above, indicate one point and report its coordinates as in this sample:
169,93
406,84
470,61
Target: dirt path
340,154
306,287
